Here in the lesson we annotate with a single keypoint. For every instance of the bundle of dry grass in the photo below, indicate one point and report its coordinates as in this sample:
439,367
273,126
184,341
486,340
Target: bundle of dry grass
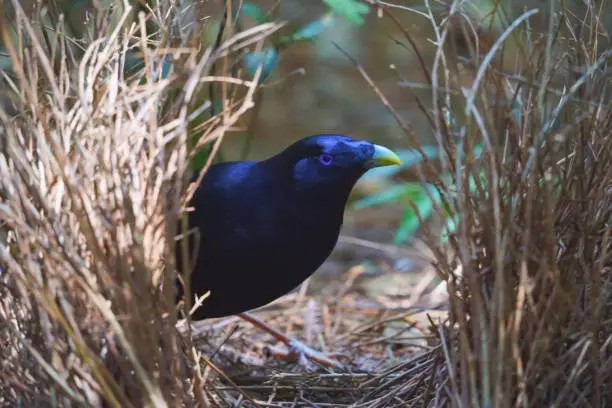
529,265
92,178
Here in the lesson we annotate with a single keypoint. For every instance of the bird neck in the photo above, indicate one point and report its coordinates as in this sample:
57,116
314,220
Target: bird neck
334,198
326,203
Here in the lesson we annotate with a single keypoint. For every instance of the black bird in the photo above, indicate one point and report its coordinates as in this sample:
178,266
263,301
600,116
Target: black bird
265,227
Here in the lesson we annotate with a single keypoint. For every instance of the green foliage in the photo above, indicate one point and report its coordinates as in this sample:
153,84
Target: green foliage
353,11
268,58
199,159
254,11
311,30
420,199
409,192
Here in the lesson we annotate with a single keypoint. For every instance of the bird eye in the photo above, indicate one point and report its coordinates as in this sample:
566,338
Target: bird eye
326,159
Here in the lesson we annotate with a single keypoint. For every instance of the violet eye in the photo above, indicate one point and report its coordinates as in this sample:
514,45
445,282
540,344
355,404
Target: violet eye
326,159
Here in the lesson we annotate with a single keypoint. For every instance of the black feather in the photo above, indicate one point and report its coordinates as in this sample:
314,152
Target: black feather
264,227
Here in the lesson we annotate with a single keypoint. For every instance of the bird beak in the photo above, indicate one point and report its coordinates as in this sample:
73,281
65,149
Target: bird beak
382,157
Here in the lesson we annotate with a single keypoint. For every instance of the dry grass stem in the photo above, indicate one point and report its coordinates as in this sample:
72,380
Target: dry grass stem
93,173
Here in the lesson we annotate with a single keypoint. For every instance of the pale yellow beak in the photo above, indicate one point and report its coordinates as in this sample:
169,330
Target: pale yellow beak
383,157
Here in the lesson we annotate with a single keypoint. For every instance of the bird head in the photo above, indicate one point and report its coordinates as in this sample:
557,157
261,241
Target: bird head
330,165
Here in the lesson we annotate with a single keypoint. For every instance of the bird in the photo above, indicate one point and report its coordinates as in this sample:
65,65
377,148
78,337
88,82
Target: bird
261,228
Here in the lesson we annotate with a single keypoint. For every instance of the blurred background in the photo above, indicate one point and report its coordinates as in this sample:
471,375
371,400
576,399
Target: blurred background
317,88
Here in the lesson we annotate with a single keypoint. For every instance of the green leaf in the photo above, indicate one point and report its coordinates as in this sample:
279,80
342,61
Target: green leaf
394,193
449,227
352,10
254,11
166,67
415,192
268,57
409,223
199,160
311,29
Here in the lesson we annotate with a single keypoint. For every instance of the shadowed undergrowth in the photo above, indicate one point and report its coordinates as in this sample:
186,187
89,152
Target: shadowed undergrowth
524,130
92,177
